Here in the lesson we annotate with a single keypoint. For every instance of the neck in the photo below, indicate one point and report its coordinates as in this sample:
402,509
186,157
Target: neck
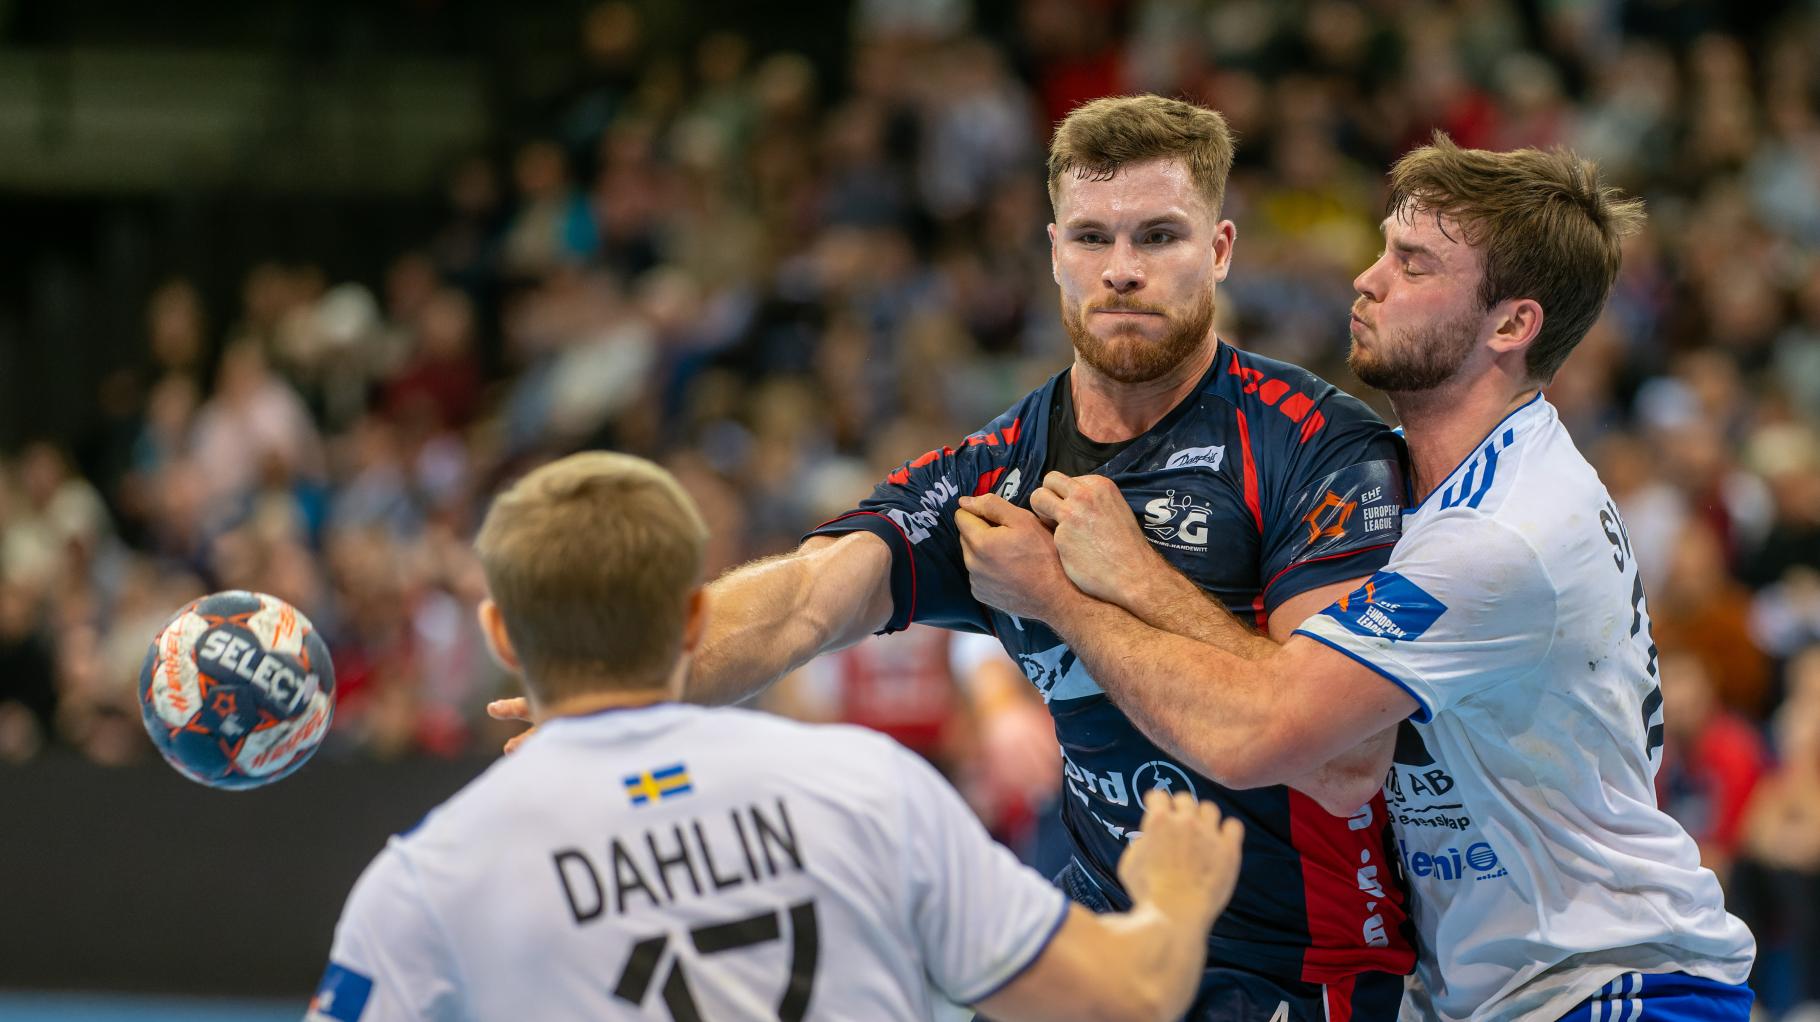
583,703
1442,426
1107,411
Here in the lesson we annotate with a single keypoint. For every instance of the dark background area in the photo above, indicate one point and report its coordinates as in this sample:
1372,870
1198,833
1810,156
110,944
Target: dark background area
138,880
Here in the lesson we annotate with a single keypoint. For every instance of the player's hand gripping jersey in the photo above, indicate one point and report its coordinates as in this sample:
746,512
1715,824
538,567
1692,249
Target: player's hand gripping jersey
676,862
1524,793
1263,483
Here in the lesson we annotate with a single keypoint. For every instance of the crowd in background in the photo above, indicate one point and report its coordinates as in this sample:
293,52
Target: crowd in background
780,282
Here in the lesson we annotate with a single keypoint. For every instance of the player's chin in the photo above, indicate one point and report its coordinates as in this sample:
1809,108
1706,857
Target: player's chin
1132,364
1120,344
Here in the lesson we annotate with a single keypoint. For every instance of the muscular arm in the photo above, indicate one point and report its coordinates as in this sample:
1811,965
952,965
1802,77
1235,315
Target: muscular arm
1241,709
1164,599
1142,965
772,616
1136,966
1246,720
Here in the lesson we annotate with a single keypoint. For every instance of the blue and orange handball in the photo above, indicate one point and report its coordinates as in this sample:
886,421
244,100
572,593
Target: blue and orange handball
237,690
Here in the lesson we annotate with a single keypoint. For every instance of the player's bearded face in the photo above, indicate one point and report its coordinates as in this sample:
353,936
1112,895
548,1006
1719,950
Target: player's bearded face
1124,353
1411,358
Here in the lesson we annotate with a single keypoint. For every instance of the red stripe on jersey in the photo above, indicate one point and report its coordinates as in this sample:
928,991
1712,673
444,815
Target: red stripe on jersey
1325,557
1251,501
1338,996
909,551
1355,908
1251,472
988,481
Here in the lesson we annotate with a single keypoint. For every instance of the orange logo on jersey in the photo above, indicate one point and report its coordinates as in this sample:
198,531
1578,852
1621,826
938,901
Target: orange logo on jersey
1335,525
1371,597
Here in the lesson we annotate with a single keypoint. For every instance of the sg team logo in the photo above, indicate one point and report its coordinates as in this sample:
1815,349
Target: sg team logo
1178,521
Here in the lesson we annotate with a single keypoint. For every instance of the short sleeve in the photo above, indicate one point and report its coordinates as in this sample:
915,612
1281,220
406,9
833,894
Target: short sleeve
389,959
1337,508
1464,606
912,510
981,917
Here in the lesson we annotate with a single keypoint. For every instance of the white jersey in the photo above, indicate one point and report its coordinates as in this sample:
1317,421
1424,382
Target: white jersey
679,862
1523,795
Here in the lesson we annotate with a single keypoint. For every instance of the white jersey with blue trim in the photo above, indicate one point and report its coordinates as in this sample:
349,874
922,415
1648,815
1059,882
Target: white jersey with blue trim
1523,792
679,862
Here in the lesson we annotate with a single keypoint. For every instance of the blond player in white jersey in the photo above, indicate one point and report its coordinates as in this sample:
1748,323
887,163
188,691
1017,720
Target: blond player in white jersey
1508,638
639,858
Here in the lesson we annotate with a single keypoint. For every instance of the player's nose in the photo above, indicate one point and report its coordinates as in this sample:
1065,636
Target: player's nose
1124,272
1370,282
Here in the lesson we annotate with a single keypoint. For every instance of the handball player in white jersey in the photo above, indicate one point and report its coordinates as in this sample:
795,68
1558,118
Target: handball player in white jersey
639,858
1509,630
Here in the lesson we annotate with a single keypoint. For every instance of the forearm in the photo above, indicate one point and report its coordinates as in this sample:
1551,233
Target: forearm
1137,966
770,617
1209,700
1165,954
1169,601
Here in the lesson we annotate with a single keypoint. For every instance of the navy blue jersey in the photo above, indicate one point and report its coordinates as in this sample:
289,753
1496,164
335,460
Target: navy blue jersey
1263,483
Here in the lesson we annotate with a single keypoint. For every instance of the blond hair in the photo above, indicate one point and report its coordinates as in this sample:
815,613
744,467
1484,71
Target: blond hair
1547,227
1099,137
591,560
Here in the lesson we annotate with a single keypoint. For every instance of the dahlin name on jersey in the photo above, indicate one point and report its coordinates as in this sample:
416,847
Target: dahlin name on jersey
695,855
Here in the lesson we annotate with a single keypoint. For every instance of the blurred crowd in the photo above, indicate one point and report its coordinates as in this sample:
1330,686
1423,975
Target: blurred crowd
782,279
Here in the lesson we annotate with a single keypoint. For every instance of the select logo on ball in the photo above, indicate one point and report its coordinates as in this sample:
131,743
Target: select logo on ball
237,690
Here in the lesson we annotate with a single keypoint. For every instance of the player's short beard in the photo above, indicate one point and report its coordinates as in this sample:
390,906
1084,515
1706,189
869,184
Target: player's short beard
1416,359
1127,356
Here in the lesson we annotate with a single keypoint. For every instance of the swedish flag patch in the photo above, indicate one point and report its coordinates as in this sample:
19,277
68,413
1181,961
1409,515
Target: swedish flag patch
656,785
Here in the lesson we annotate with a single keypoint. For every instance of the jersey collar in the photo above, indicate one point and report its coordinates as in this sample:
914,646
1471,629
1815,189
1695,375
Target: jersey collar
1507,422
1144,443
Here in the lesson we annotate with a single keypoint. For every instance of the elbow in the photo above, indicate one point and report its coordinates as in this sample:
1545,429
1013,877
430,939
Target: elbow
1347,795
1239,773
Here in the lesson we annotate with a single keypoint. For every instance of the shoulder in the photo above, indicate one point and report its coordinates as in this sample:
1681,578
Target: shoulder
1281,398
1011,425
1526,495
1012,430
800,751
1478,548
760,729
477,807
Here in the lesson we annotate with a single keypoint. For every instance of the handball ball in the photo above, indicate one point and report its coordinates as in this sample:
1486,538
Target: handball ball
237,690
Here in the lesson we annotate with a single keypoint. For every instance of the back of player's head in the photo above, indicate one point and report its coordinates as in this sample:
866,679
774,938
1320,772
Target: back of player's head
1545,225
1099,137
592,560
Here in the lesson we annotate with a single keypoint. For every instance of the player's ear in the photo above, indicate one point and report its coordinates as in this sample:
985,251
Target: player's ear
695,620
1225,236
493,627
1516,322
